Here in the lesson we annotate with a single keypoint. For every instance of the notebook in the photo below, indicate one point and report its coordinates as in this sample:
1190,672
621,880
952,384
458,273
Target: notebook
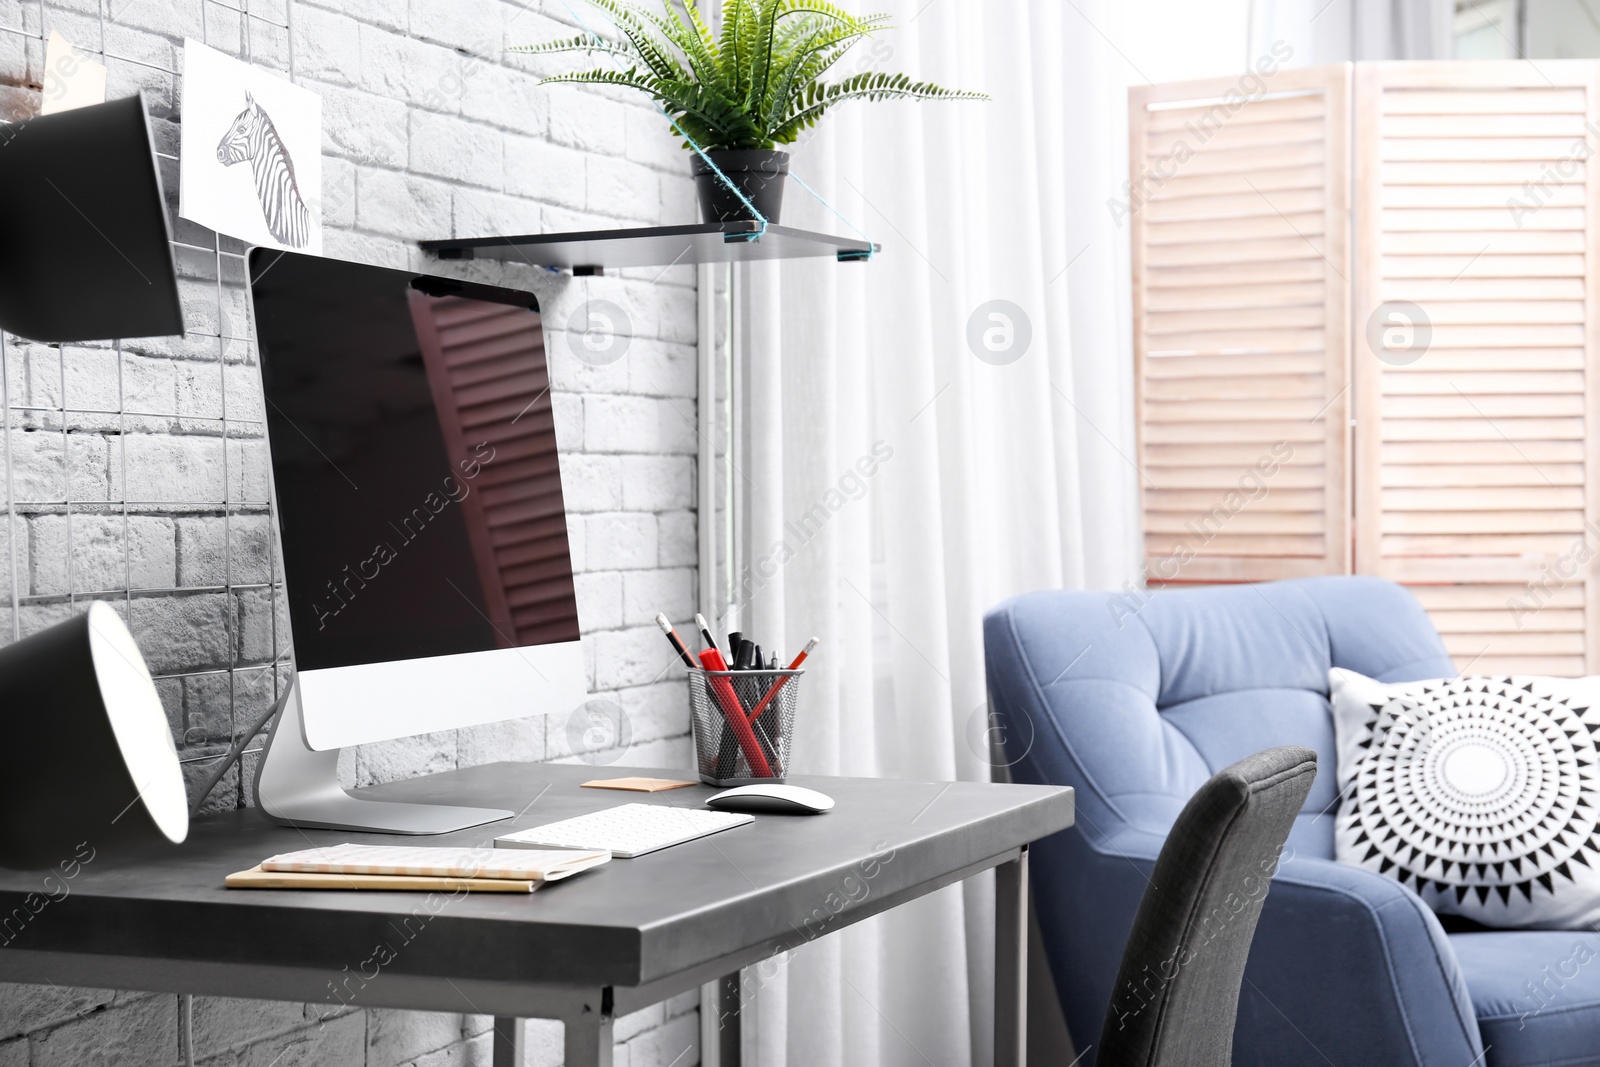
256,878
542,865
639,785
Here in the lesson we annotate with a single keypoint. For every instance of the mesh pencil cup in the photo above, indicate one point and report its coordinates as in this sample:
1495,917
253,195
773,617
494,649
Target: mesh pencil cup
743,722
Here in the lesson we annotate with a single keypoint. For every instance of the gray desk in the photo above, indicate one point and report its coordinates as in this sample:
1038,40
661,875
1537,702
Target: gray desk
609,941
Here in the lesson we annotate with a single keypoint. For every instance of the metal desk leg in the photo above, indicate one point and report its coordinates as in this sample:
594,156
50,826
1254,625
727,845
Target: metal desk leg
588,1041
510,1043
721,1033
1011,962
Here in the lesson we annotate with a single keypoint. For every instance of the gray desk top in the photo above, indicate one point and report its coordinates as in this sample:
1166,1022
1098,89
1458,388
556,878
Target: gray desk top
627,923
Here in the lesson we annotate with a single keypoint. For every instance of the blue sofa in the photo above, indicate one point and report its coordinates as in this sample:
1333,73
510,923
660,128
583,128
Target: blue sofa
1135,699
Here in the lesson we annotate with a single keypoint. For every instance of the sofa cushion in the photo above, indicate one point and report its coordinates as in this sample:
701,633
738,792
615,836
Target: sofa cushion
1536,994
1481,793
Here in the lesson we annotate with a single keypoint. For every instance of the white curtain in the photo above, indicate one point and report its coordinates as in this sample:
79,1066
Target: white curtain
915,453
1337,31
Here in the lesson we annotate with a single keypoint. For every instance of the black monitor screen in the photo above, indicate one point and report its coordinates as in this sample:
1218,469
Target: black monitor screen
413,460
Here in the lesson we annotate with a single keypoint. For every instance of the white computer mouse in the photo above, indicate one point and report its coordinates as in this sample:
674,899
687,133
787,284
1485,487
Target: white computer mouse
772,799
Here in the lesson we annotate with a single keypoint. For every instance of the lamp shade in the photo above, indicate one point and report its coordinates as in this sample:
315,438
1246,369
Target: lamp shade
85,251
91,755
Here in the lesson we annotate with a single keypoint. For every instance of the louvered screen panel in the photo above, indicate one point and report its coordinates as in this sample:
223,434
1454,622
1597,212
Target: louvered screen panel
1240,252
491,385
1475,439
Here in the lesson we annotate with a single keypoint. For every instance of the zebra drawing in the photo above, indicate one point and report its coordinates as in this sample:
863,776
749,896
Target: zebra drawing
252,136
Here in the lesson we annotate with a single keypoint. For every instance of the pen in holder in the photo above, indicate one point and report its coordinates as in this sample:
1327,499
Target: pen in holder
743,722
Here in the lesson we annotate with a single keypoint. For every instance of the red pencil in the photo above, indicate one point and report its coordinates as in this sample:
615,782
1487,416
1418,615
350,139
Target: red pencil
773,691
676,641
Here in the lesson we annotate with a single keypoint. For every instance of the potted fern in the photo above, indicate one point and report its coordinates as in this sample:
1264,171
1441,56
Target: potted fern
739,94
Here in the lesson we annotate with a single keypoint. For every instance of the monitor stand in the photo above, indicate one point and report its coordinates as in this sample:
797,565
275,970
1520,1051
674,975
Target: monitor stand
298,786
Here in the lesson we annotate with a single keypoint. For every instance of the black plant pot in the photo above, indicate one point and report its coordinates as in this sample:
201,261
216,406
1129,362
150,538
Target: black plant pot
759,173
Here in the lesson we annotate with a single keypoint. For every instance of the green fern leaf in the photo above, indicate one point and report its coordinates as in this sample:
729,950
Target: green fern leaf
637,26
629,78
819,98
694,40
818,45
586,42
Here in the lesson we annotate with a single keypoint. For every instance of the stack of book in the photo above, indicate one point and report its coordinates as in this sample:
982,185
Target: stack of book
349,866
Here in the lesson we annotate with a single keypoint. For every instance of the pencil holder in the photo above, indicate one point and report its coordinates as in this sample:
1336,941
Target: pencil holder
743,722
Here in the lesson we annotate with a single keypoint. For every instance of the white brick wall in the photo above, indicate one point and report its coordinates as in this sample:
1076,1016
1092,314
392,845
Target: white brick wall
430,129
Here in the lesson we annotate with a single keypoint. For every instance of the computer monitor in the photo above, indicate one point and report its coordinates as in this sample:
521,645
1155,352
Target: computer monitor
85,249
420,516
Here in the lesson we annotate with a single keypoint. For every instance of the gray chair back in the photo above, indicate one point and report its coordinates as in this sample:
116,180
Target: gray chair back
1177,992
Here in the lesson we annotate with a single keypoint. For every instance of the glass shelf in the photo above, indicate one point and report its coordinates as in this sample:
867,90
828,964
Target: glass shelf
655,246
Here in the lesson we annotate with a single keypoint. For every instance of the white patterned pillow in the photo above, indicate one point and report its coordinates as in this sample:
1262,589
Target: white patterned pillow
1482,794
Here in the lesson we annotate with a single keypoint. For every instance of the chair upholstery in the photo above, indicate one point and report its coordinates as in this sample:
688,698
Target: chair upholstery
1177,992
1135,700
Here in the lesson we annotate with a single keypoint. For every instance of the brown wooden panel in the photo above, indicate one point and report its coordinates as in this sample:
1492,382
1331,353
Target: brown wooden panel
1480,242
1268,181
1243,364
1236,320
1514,453
1490,597
1181,277
1521,642
1457,475
1493,406
1266,223
1457,173
1482,261
1268,110
1230,136
1235,253
1244,205
1489,123
1219,297
1241,304
1558,194
1538,497
1400,100
1243,387
1476,149
1427,380
1474,460
1503,619
1487,218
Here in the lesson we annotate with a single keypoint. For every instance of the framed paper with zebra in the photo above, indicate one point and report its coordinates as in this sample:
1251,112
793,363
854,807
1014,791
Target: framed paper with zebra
250,165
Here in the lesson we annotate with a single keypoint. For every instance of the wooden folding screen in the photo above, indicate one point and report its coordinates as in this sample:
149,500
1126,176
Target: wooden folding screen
491,386
1239,219
1476,425
1462,356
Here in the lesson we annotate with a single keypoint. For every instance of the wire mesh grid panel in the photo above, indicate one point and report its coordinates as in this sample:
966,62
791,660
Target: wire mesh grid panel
136,470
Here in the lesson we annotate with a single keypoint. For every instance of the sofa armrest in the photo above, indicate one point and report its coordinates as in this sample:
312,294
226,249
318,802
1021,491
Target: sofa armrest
1352,967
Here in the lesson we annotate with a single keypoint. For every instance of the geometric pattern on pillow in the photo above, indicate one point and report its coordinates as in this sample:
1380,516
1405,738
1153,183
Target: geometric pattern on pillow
1482,794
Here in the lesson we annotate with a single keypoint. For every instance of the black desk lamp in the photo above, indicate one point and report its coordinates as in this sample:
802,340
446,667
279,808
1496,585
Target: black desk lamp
93,763
85,249
85,254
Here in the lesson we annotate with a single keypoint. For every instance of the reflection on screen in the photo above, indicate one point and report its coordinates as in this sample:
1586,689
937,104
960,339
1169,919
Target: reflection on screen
414,463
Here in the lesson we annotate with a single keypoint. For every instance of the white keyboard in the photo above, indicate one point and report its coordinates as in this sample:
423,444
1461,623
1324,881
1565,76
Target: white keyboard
627,830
